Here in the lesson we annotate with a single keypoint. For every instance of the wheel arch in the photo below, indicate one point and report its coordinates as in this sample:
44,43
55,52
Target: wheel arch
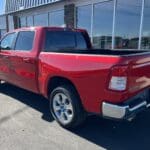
63,84
56,81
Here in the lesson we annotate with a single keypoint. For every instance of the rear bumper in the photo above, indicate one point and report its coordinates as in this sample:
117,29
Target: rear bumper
128,109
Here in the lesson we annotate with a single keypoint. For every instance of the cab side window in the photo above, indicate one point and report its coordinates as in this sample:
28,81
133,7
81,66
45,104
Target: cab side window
25,41
7,42
64,40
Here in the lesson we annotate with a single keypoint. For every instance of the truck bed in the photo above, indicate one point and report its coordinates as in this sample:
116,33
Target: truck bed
101,52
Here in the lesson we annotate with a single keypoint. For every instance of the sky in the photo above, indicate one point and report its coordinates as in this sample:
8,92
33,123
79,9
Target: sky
2,7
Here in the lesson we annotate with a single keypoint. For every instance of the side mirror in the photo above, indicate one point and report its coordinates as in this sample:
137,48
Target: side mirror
4,48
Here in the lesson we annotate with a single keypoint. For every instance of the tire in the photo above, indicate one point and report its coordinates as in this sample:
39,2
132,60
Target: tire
66,107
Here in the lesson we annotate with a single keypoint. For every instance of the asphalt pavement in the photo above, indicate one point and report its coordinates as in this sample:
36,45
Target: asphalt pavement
26,124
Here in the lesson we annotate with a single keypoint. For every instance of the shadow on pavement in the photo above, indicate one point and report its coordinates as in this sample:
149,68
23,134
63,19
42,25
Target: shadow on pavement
108,134
112,135
35,101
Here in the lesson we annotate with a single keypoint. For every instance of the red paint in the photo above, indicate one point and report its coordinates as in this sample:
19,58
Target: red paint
89,74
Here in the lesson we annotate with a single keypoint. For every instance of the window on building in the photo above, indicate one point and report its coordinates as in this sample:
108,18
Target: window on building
128,16
84,17
11,22
57,40
41,20
146,27
25,41
3,32
30,21
2,7
23,22
56,18
2,22
8,41
102,25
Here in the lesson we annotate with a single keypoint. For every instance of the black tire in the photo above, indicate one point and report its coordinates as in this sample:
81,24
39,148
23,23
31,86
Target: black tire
79,115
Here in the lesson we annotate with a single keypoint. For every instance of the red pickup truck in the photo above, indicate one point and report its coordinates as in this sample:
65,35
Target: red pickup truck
61,65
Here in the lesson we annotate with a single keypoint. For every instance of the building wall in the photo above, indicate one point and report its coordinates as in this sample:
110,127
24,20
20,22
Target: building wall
17,5
3,25
2,7
113,24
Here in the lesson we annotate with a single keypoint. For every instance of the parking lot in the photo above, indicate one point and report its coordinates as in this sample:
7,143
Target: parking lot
25,124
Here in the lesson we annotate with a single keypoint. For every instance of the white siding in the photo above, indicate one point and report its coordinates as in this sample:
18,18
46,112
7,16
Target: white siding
16,5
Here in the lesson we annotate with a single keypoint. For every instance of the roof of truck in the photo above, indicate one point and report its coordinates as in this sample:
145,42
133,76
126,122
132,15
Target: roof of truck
50,28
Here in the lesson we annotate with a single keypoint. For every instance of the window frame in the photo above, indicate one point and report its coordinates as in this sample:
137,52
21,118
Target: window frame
18,37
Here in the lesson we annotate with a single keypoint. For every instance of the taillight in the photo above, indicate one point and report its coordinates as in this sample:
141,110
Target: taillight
118,78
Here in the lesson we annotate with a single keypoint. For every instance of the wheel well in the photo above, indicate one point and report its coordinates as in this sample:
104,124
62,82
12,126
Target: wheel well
58,81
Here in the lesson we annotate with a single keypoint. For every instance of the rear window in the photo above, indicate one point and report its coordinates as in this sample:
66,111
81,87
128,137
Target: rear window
57,40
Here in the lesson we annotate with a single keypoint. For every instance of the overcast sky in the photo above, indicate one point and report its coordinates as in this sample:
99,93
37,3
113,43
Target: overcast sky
2,7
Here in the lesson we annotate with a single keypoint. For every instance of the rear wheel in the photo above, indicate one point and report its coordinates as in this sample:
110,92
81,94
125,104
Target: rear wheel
66,108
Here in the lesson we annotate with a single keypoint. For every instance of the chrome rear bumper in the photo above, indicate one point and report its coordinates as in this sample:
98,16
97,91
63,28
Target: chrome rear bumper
121,112
127,110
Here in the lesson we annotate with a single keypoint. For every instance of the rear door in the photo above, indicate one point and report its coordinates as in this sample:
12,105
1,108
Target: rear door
24,61
7,48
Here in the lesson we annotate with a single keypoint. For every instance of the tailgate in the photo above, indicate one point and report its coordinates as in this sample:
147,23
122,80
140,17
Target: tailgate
139,72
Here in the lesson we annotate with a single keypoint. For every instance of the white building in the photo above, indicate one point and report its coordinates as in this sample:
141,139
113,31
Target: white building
115,24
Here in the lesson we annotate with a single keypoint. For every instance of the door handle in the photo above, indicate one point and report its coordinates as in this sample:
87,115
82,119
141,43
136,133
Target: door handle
26,60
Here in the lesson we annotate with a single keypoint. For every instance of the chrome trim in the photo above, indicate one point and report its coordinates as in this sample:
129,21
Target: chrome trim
148,105
114,111
119,112
138,106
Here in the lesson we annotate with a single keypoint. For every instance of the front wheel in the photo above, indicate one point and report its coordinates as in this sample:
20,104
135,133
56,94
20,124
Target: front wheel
66,108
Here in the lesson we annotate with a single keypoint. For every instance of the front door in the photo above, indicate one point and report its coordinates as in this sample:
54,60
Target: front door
7,46
24,62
